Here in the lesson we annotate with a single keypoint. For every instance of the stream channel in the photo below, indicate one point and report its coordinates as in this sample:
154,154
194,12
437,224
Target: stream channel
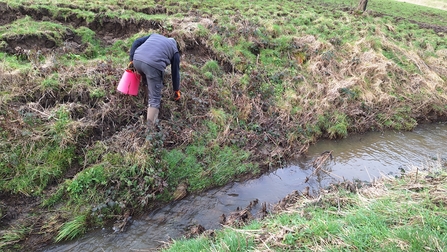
364,157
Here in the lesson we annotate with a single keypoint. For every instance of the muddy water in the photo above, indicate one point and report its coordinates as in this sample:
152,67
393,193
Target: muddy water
362,157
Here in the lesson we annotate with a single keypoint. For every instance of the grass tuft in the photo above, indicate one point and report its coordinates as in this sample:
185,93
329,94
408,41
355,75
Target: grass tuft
73,228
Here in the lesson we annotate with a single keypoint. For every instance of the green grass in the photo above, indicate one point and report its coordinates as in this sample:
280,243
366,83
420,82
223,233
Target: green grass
27,26
13,236
398,9
407,10
206,165
73,228
36,163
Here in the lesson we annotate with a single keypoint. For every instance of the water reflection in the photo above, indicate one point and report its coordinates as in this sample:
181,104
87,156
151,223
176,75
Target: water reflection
362,157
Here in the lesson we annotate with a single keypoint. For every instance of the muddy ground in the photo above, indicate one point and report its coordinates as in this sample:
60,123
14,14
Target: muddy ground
16,208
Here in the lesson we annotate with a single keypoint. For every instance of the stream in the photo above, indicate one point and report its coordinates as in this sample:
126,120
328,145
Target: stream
364,157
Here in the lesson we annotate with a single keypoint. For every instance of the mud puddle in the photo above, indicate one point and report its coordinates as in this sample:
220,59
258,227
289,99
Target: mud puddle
361,157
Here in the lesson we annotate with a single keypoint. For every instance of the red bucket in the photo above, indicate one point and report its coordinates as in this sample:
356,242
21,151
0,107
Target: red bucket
129,83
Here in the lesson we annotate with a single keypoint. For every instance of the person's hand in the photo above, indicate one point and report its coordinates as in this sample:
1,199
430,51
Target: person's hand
131,67
177,95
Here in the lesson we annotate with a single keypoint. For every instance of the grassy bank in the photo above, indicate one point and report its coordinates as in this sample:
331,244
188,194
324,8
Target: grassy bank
403,214
260,82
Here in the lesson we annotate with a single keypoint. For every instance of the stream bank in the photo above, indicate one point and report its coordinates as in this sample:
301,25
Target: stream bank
364,158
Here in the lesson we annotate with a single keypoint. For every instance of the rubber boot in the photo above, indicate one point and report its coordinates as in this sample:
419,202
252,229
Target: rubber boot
152,136
152,115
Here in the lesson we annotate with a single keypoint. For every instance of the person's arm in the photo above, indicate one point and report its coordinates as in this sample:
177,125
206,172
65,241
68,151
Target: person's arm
135,45
175,72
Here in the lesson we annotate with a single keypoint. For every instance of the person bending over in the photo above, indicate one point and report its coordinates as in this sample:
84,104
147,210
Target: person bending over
150,55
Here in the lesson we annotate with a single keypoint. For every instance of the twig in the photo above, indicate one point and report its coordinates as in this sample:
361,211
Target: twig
265,244
338,203
417,172
331,174
45,114
366,168
320,161
243,231
271,139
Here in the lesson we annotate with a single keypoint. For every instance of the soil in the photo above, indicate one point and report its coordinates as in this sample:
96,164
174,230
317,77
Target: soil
19,209
440,29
